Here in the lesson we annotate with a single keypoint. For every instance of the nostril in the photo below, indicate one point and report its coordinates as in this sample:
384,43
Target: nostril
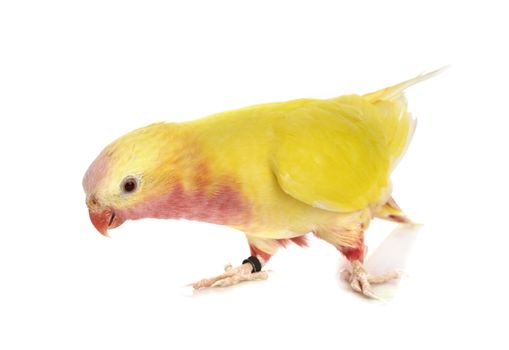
92,201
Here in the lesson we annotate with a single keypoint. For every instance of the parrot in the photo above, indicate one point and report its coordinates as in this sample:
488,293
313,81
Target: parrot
277,172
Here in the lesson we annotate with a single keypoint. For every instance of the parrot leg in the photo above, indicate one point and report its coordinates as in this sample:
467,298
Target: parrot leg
359,279
250,270
234,275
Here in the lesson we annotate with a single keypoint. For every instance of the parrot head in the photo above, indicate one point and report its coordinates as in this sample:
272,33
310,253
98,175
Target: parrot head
126,177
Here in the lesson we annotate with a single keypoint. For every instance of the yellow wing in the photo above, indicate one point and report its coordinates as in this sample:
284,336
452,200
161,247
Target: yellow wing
331,155
337,154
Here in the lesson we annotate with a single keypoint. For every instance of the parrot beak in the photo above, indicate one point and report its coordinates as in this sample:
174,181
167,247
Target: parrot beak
104,220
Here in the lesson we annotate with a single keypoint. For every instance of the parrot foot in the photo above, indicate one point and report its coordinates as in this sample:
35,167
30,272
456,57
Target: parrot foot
361,282
231,276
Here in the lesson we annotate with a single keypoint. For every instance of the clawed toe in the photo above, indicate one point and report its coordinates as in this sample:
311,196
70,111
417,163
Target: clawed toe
231,276
241,277
361,282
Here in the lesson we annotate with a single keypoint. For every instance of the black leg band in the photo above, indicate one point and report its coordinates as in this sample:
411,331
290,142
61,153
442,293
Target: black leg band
255,263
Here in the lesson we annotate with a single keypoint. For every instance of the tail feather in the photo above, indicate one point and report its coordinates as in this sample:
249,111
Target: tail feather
392,212
398,123
395,92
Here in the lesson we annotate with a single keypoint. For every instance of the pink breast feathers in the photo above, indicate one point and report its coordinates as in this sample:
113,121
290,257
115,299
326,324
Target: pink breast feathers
224,205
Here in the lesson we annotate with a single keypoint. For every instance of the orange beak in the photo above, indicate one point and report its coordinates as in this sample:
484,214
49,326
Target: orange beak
104,219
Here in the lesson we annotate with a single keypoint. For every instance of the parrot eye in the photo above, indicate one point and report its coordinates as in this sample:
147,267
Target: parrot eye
129,184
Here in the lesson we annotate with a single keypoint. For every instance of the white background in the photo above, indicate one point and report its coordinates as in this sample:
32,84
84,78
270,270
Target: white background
76,75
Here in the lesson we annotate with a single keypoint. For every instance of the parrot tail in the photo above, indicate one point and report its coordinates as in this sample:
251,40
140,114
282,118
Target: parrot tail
399,125
395,92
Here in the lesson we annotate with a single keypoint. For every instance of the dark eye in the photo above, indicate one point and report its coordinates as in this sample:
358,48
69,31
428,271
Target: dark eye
129,184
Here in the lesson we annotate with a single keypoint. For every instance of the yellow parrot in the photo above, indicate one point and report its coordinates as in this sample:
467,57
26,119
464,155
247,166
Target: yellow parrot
275,171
